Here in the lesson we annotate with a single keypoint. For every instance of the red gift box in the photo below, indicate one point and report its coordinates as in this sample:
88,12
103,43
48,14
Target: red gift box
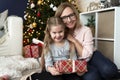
5,77
71,66
32,50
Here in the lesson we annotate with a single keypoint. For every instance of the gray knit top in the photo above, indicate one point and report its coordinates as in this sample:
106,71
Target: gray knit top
58,53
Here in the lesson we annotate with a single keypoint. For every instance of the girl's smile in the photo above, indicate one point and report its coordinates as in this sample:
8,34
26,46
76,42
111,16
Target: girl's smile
57,33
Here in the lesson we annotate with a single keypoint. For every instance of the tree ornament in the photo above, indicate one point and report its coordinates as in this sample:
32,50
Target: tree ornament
28,0
39,2
25,36
31,26
38,14
54,8
29,34
51,5
32,5
25,41
39,33
25,16
34,24
30,30
70,0
29,16
42,22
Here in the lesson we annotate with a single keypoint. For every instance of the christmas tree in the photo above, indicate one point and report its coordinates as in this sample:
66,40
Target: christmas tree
35,18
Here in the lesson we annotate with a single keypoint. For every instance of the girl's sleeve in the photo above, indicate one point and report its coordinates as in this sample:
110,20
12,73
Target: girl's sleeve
48,60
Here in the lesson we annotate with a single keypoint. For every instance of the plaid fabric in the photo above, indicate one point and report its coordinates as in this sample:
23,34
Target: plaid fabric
71,66
33,50
80,66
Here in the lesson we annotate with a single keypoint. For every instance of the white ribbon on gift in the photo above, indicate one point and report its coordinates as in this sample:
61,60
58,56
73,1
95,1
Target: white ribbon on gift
73,63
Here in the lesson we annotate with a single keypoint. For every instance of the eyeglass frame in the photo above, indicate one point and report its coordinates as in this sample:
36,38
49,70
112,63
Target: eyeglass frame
70,16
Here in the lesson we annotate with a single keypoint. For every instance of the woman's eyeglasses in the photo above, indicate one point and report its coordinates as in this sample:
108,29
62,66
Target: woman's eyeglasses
70,16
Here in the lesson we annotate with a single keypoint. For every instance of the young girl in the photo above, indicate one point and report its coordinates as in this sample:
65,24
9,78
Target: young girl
56,47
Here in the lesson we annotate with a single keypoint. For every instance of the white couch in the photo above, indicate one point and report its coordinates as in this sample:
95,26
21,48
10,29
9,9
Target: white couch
12,63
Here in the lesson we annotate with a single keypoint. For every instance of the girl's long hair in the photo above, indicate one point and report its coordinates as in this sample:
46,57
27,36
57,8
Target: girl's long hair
52,21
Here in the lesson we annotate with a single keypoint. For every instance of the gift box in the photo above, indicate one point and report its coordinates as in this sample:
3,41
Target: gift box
32,50
5,77
71,66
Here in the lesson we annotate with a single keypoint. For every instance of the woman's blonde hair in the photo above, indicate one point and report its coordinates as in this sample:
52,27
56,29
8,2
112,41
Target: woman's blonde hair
64,5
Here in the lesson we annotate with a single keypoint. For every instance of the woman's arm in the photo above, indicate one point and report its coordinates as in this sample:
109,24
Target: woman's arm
83,42
77,44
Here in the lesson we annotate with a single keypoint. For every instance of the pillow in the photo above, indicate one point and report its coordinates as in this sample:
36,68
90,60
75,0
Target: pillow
12,44
3,31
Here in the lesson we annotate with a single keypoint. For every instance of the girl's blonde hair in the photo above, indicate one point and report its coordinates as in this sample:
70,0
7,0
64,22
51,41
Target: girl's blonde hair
64,5
52,21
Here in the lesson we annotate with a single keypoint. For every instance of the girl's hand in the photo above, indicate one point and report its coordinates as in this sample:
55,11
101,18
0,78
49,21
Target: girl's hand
53,71
80,74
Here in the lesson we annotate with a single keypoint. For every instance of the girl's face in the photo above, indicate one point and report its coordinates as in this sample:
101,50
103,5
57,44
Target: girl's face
68,17
57,33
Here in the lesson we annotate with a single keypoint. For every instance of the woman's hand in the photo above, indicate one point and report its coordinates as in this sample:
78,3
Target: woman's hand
71,38
77,44
53,71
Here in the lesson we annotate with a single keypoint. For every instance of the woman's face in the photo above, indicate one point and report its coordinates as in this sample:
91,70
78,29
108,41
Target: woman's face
68,17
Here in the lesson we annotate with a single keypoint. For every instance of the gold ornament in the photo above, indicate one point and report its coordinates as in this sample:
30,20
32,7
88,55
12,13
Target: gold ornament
29,16
70,0
34,24
38,33
25,36
29,34
39,2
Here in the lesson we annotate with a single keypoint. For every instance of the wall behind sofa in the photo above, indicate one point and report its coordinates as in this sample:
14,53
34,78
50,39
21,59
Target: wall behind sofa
15,7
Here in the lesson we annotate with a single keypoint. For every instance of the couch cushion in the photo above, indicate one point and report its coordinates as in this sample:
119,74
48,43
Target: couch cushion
13,43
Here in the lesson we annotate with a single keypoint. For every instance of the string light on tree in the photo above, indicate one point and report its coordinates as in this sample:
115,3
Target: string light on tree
32,5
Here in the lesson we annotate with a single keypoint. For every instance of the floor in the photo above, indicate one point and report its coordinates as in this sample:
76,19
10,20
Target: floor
26,74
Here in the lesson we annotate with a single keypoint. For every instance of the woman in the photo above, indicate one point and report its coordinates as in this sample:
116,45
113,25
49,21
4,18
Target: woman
99,67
